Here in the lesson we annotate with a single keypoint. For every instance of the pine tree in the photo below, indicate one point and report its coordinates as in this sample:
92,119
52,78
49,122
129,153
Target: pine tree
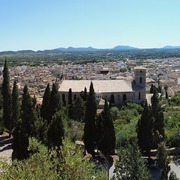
90,115
145,130
20,142
54,103
45,103
28,112
107,143
6,93
15,106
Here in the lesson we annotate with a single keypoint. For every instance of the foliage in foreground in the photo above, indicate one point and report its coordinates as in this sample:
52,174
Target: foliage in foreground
130,165
44,164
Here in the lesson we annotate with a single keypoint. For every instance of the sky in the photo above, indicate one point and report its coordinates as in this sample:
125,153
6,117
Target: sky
49,24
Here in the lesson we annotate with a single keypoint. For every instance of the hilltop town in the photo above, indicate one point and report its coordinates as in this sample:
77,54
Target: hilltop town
164,71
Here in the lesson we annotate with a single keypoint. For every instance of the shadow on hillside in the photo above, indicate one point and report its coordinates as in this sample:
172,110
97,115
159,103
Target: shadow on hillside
6,148
4,141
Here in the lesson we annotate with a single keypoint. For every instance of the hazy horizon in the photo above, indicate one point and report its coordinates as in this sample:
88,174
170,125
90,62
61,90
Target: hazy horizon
40,25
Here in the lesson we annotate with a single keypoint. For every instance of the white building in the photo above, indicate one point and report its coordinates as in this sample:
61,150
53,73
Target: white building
115,91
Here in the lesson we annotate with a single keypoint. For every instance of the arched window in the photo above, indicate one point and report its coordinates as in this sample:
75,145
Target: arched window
124,97
112,99
139,95
75,96
140,80
64,99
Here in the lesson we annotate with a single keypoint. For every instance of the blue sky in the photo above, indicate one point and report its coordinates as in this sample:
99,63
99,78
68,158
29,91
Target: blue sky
48,24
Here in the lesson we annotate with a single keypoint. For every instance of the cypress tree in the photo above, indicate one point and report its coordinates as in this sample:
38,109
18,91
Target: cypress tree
99,130
20,142
27,112
145,130
158,116
1,114
85,94
56,130
15,105
6,93
89,128
54,103
70,103
107,143
163,161
166,92
152,88
155,101
78,109
45,103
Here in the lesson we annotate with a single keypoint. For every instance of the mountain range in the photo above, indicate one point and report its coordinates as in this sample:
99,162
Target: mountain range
91,49
116,48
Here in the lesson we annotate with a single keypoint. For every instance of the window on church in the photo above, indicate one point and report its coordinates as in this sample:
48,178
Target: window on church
112,99
64,99
75,96
139,95
124,97
140,80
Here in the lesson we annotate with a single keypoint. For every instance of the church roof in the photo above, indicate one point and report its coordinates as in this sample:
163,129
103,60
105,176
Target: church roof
103,86
139,67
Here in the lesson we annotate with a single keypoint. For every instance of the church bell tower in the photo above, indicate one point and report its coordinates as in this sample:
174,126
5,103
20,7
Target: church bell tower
140,76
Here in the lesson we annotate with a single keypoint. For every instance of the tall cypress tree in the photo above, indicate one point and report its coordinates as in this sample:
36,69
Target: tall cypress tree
54,103
6,93
166,91
158,116
15,106
163,161
84,95
45,103
107,143
78,109
145,130
20,141
27,112
90,115
152,88
1,114
70,103
56,129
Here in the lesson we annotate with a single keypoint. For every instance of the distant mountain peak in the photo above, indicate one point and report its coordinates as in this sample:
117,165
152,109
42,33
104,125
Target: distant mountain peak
171,47
123,47
76,49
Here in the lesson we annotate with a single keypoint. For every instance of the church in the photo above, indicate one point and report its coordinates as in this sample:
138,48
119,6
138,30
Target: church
114,91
